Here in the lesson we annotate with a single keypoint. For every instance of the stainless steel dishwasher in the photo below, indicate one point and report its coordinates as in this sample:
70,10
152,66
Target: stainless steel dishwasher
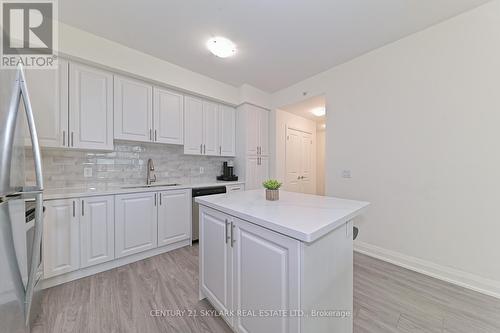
198,192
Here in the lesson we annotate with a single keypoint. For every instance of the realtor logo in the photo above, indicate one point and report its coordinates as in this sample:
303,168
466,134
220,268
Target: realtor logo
28,33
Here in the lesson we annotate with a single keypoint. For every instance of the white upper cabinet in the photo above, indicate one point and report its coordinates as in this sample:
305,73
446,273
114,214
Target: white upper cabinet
227,131
97,230
133,110
168,116
210,129
90,108
263,132
48,91
193,126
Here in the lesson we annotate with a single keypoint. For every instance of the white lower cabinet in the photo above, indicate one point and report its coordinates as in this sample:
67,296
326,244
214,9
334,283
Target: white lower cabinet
135,223
83,232
245,269
174,216
216,269
97,230
61,250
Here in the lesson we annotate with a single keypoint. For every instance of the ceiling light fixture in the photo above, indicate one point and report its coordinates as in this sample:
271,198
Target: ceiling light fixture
319,112
221,47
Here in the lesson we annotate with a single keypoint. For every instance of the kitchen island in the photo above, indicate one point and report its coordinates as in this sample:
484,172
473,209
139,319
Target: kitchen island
278,266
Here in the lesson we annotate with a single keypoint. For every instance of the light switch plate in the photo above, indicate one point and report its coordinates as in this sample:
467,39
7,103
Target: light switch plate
87,172
346,173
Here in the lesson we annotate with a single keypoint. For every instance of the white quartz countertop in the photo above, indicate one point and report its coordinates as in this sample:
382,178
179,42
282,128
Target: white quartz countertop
301,216
79,192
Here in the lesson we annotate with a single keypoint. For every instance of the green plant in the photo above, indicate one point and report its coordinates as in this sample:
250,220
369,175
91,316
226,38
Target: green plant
271,184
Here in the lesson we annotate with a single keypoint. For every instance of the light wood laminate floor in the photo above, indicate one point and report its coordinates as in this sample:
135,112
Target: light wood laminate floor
387,299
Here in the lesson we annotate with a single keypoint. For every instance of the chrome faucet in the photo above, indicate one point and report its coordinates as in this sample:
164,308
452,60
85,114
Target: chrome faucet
151,167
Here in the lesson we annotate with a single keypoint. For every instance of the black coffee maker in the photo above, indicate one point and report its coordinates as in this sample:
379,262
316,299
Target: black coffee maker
227,172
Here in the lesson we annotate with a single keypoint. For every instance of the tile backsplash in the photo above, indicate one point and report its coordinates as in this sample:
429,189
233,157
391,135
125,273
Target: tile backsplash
127,164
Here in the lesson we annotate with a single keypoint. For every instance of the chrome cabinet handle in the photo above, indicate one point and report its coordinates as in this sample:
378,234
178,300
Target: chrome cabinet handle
204,149
155,199
64,138
156,138
83,207
74,214
72,141
232,234
220,150
160,200
201,149
236,189
226,236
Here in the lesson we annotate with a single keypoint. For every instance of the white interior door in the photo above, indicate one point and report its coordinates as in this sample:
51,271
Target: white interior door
210,129
306,159
97,230
292,160
168,116
193,126
133,109
299,171
91,108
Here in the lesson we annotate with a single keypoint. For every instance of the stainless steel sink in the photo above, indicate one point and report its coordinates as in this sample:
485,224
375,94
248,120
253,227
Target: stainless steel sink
152,185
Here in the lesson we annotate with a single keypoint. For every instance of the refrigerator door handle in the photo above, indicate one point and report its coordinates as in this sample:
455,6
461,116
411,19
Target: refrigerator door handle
37,155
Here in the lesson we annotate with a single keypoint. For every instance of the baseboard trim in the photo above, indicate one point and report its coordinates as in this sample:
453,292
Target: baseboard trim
463,279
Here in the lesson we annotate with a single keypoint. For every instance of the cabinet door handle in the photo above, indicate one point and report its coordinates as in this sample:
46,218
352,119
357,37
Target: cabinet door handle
160,200
72,142
232,234
74,207
201,149
236,189
226,236
64,138
204,149
155,199
83,207
156,137
220,150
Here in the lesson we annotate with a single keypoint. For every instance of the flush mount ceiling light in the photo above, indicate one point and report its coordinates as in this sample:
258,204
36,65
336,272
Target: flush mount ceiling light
319,112
221,47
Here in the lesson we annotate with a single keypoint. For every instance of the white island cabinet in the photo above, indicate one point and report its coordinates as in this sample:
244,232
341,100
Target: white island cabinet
278,266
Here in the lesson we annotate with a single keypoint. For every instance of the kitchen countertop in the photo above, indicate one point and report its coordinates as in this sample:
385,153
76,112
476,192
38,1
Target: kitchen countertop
304,217
79,192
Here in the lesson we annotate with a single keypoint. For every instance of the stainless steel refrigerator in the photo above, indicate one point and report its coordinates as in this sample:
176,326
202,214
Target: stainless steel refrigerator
21,207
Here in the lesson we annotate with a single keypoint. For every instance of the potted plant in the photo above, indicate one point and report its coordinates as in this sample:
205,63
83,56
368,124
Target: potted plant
272,187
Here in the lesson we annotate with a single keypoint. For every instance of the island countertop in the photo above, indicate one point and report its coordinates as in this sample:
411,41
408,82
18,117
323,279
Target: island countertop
301,216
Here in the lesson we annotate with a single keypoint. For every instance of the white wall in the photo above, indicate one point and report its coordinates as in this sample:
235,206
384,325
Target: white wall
85,46
418,124
283,120
320,161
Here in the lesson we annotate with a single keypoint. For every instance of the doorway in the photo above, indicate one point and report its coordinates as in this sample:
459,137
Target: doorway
300,146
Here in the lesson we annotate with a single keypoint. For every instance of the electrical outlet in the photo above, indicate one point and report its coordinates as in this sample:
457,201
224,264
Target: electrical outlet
87,172
346,173
202,170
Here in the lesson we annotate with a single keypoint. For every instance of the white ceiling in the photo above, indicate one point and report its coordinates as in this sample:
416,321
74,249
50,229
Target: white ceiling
303,108
280,42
